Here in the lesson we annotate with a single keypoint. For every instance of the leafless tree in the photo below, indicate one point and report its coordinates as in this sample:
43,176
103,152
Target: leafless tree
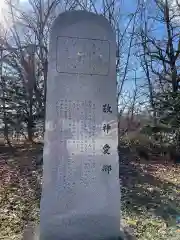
26,46
163,51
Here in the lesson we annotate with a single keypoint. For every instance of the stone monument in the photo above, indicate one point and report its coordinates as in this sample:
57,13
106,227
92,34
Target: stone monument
81,193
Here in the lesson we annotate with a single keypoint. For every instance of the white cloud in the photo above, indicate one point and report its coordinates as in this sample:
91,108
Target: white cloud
174,6
5,19
2,8
3,14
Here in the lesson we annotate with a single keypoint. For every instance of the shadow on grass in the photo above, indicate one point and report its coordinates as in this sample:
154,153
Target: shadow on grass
20,188
143,192
28,167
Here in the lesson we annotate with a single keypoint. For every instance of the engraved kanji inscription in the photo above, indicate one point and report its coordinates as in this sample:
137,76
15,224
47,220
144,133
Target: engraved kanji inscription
107,108
80,159
106,128
106,149
107,168
83,56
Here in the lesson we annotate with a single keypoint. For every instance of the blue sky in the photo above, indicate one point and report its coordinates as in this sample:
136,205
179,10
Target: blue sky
128,7
158,33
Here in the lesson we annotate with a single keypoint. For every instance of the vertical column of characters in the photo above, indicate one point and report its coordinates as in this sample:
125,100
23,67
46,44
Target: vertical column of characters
106,128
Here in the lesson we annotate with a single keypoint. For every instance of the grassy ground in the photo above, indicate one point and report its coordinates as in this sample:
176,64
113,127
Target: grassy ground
150,195
150,198
19,190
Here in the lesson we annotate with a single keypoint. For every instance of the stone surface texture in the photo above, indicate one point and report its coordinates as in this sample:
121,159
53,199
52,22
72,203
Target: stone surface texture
81,192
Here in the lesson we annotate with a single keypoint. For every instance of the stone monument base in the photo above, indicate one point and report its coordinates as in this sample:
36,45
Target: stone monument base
81,228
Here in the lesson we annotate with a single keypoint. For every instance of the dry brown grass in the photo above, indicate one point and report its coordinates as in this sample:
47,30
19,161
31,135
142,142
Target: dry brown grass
150,194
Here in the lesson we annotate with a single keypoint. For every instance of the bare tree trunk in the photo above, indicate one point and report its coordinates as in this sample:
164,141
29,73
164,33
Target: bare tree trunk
3,87
170,47
146,68
6,130
45,91
30,122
